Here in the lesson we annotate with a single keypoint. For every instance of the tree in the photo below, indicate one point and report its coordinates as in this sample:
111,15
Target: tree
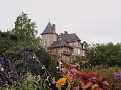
25,30
7,40
104,54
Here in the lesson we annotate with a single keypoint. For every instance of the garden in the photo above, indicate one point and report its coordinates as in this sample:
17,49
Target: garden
69,77
25,64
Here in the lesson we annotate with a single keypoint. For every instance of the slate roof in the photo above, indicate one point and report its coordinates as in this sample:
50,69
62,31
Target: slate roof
48,29
60,43
64,39
69,37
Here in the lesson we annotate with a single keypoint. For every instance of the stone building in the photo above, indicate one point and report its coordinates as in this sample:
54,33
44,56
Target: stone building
66,45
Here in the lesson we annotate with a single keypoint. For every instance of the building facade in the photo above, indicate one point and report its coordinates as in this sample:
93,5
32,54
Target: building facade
66,45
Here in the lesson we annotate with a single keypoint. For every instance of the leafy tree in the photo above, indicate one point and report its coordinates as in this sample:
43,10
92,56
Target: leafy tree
7,40
105,54
25,30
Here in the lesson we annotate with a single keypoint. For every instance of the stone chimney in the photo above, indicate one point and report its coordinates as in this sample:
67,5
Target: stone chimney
53,27
61,33
65,32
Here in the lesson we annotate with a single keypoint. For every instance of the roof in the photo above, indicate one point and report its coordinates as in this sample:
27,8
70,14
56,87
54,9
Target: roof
48,29
69,37
60,43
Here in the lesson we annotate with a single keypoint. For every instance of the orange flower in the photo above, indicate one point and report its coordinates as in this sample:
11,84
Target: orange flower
94,86
69,78
61,82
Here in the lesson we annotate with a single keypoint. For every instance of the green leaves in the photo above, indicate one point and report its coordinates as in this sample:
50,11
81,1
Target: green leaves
25,30
7,40
106,54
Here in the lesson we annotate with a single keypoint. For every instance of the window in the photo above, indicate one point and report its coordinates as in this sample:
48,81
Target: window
45,43
78,51
78,43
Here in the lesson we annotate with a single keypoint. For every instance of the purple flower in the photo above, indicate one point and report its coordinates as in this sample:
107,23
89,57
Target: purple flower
33,64
11,63
2,61
25,56
117,75
4,77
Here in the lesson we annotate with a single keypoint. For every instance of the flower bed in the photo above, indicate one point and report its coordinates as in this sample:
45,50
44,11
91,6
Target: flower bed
95,78
84,80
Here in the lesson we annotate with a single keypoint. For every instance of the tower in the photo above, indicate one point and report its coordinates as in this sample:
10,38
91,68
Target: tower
49,35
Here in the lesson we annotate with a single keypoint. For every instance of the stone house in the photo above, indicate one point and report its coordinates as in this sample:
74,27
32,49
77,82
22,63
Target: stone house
66,45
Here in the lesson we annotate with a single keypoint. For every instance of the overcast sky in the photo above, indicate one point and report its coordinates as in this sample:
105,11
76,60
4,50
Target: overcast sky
94,21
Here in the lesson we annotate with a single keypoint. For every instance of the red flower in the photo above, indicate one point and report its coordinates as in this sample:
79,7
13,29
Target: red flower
64,66
105,79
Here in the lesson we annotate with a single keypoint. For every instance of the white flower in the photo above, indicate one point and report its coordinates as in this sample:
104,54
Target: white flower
2,69
57,67
60,63
43,67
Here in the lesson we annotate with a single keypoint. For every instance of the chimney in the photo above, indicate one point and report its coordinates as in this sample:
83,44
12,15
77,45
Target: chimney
65,32
53,27
61,33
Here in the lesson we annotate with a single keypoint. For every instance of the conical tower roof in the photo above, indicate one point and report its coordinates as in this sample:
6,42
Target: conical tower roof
48,29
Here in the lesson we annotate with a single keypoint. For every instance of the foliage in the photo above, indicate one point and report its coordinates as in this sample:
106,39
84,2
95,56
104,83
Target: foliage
71,79
24,60
25,30
30,59
107,72
104,54
7,40
81,61
30,82
81,80
48,61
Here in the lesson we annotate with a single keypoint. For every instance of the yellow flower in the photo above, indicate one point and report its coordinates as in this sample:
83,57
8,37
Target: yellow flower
61,82
94,86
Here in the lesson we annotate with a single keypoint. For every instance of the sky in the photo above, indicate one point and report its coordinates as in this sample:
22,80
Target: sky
94,21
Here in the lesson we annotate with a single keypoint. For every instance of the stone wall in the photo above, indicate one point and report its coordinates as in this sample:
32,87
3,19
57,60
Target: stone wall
48,39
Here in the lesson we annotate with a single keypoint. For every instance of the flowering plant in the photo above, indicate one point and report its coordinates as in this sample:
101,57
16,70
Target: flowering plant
81,80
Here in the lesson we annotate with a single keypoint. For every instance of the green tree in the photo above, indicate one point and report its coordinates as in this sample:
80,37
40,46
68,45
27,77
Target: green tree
7,40
104,54
25,30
